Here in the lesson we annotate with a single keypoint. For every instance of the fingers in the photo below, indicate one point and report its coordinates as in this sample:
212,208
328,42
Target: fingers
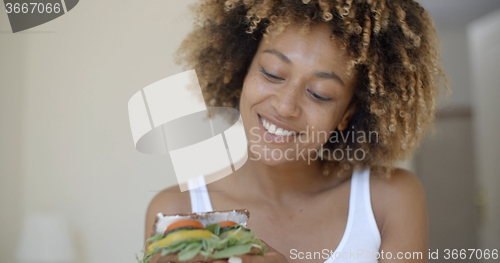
271,257
233,259
269,248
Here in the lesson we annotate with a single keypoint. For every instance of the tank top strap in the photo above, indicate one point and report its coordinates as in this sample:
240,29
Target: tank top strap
198,192
364,213
361,233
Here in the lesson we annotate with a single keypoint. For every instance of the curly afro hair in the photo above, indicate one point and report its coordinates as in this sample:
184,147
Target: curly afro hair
393,51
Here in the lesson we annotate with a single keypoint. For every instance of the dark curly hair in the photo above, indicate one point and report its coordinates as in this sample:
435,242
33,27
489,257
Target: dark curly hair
393,55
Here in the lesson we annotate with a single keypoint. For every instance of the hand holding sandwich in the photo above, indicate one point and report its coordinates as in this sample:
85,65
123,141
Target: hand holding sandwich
206,237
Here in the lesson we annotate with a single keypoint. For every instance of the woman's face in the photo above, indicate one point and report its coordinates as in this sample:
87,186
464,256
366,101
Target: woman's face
297,85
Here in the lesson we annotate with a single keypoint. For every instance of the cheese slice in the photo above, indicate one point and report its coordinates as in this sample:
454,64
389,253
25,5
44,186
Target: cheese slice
179,235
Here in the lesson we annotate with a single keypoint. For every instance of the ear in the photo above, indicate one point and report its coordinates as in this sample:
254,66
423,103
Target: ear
349,113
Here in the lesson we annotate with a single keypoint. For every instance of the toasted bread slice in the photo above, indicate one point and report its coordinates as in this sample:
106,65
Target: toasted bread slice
240,216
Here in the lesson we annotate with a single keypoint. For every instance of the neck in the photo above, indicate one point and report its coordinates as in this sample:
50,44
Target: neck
287,182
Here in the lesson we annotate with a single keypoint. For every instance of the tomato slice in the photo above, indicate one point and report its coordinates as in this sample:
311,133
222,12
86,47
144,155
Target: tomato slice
185,223
226,224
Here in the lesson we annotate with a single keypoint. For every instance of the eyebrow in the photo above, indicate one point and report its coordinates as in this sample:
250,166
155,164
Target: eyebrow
323,75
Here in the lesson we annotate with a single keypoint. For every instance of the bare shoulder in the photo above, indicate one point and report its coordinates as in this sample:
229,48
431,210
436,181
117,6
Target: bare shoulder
169,201
400,182
397,198
400,210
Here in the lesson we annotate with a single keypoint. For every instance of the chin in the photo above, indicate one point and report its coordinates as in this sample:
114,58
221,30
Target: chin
273,163
265,157
258,154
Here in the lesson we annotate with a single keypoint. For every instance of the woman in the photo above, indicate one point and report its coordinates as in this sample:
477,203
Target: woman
331,94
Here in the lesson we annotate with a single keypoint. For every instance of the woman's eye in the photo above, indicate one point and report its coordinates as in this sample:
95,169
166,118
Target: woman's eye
316,96
319,97
270,75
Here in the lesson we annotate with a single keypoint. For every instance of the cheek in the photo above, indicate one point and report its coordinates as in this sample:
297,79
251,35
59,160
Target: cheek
322,124
244,98
247,99
252,92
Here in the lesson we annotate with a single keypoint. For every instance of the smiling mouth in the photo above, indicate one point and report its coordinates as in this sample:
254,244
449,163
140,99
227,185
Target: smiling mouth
273,129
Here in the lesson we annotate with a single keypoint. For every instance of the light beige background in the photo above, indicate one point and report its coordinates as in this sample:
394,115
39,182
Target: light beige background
66,145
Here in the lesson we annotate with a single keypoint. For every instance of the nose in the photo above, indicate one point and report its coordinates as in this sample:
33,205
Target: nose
286,100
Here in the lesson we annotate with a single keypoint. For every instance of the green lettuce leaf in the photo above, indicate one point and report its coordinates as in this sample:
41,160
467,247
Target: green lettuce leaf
189,252
155,238
232,251
214,228
217,247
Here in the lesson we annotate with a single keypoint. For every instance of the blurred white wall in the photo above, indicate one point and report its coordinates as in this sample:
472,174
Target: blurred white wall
448,162
66,144
12,84
444,162
484,40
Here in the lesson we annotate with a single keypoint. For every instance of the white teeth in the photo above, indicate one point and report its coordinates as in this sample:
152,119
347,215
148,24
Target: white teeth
271,128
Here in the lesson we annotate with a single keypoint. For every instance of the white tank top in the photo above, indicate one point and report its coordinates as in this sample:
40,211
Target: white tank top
361,239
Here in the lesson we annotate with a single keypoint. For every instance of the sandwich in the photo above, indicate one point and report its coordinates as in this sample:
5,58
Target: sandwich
201,237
